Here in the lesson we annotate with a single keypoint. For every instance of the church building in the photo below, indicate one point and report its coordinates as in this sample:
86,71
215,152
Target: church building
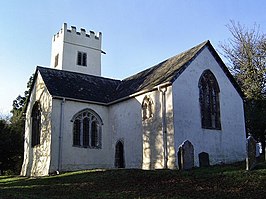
76,119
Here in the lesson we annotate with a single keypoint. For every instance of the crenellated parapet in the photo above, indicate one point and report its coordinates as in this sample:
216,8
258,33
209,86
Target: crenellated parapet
74,33
77,50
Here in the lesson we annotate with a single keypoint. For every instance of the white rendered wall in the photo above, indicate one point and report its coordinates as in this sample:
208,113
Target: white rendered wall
125,125
143,140
225,145
37,159
78,158
66,43
152,135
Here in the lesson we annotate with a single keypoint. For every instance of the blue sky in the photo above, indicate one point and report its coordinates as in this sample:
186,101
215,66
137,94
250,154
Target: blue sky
137,34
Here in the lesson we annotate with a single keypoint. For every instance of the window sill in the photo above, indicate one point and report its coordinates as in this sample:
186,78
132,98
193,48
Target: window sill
211,128
35,146
86,147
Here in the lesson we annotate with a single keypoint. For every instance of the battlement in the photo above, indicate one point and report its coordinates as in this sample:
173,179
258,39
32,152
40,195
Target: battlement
74,32
77,50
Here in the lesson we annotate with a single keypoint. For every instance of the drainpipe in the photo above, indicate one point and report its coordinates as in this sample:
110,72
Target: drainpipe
61,128
164,129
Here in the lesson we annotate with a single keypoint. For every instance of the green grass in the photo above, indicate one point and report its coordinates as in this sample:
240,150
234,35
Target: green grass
228,181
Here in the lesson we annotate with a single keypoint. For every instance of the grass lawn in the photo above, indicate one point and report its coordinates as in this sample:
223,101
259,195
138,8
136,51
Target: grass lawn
227,181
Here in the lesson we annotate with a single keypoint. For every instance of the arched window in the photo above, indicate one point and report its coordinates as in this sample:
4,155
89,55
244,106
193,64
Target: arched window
209,101
35,124
147,111
87,129
119,155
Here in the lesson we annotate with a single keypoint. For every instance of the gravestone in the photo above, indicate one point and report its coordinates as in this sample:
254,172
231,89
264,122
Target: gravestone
204,159
251,153
186,155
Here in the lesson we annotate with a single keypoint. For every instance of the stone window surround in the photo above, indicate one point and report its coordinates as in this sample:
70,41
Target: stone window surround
35,124
147,108
81,58
209,101
93,138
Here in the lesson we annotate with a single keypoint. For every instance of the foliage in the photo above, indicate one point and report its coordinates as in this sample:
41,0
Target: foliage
12,133
255,114
246,53
11,147
19,104
227,181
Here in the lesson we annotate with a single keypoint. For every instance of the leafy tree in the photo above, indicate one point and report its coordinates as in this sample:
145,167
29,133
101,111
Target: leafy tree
12,133
19,104
11,147
246,53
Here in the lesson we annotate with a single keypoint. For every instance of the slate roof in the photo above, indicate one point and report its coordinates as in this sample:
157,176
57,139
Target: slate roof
79,86
104,90
164,72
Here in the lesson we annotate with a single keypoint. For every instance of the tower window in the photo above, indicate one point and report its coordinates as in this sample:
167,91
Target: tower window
56,60
82,59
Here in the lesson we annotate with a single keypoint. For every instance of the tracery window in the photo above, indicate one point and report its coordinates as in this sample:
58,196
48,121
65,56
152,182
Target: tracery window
147,111
35,124
209,101
87,129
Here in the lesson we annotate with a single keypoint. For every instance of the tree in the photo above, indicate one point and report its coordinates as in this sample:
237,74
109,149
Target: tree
11,147
12,134
19,104
246,53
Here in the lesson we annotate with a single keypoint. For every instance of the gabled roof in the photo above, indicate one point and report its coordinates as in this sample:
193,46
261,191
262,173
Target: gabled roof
96,89
164,72
79,86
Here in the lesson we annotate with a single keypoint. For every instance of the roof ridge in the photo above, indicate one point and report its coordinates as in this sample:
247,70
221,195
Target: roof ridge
159,64
138,73
106,90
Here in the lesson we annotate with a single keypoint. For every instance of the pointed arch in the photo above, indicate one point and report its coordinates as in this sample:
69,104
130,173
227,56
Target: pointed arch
35,124
87,129
147,109
209,99
119,154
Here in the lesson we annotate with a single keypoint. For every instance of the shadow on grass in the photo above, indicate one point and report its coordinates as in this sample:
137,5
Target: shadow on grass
261,165
222,181
6,177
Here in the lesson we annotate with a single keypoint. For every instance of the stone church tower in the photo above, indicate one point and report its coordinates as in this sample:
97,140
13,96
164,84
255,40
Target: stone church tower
77,51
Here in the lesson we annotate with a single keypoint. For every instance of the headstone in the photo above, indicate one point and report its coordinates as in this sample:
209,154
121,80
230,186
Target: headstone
251,153
204,159
186,153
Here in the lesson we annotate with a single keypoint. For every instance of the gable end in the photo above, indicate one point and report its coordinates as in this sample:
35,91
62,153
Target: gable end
226,71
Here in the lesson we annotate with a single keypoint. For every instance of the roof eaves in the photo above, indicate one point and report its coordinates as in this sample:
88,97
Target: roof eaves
166,84
79,100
